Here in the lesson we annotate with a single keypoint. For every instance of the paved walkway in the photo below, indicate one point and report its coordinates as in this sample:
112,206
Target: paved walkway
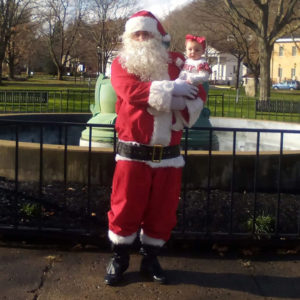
77,274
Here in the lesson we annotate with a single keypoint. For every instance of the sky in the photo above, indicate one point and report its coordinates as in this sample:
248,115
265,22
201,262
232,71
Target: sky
161,8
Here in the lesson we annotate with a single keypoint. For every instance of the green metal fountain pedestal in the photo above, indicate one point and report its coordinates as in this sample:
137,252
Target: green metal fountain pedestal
103,113
198,139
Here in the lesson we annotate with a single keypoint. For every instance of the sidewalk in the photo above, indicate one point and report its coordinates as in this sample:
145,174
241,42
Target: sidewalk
32,273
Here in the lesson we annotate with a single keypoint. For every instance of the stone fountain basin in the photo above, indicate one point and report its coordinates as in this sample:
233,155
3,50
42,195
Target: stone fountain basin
199,169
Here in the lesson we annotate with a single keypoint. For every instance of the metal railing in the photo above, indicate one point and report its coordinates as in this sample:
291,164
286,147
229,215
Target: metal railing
220,105
242,207
45,101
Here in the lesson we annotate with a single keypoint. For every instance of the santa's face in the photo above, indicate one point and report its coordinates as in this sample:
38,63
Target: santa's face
141,36
144,55
193,50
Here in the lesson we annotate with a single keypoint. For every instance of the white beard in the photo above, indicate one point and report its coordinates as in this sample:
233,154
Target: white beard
145,59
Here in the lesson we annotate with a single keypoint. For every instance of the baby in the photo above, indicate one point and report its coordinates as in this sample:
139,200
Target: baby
195,70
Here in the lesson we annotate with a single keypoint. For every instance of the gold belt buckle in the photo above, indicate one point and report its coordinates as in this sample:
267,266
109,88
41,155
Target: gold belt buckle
157,150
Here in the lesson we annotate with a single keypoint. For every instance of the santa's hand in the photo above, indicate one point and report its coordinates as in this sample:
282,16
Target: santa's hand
178,103
182,88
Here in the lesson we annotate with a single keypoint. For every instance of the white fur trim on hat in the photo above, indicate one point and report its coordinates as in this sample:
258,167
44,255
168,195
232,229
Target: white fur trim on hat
146,21
141,24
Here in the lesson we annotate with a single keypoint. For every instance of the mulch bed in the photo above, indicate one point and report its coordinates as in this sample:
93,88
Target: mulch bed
76,207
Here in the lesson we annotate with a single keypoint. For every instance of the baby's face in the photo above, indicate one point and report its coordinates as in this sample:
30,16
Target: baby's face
193,50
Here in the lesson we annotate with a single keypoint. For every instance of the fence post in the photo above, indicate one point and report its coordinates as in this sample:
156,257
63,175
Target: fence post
222,105
67,100
60,101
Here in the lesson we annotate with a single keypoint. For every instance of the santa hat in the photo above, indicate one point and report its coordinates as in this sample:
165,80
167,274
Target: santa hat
146,21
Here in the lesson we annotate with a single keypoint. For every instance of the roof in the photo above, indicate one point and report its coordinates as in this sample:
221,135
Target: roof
288,39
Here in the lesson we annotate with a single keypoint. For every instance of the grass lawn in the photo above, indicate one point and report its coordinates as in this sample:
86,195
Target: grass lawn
48,83
69,95
275,94
227,102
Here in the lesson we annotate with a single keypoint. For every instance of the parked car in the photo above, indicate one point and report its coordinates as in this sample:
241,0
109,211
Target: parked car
287,85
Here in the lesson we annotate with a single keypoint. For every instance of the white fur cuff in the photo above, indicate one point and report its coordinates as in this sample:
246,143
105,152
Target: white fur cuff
194,107
147,240
121,240
160,96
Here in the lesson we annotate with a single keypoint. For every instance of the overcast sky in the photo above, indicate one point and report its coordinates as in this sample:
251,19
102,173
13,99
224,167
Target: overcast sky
161,8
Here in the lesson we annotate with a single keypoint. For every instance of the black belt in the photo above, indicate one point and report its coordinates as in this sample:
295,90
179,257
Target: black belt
151,153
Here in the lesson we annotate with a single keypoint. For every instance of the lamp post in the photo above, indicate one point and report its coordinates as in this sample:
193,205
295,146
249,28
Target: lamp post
98,48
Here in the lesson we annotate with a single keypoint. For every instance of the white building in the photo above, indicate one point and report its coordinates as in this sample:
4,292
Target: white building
224,67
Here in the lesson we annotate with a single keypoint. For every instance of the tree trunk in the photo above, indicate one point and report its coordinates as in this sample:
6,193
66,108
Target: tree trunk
59,74
11,59
265,59
256,84
11,66
237,79
2,55
0,71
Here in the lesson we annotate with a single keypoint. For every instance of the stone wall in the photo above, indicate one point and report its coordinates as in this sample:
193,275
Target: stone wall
223,169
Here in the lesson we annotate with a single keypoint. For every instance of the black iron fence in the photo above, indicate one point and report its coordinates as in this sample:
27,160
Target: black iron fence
247,107
80,101
24,96
19,101
227,194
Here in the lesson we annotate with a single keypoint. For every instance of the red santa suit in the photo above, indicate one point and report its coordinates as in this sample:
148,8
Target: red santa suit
145,194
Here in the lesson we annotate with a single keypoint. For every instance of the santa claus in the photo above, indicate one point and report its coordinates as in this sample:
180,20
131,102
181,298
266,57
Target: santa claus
147,179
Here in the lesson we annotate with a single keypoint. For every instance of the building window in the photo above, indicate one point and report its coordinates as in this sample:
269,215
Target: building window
280,72
294,51
280,50
234,69
293,73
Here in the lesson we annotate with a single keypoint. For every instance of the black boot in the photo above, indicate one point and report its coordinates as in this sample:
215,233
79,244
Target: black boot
118,264
150,266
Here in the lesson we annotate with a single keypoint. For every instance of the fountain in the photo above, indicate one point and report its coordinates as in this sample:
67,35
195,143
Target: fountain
102,156
104,113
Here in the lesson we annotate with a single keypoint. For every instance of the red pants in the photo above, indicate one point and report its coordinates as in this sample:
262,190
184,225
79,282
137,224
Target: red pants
144,197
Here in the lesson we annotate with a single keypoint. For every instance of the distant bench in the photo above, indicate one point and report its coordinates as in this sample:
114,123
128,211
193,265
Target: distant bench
20,97
277,106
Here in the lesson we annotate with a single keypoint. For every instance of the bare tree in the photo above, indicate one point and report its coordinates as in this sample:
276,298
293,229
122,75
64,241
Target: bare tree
61,21
222,33
110,16
177,27
208,18
12,13
21,47
269,20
